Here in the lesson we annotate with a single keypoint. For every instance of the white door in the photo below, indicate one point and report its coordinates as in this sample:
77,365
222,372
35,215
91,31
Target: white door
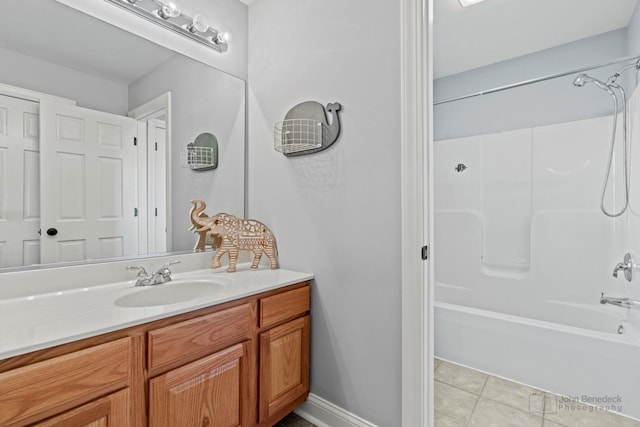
88,184
19,182
157,191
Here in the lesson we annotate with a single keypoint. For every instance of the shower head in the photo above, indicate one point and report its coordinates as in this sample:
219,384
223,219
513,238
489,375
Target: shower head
583,79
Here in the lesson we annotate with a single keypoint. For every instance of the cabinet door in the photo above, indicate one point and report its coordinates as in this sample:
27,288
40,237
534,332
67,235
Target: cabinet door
109,411
210,392
284,365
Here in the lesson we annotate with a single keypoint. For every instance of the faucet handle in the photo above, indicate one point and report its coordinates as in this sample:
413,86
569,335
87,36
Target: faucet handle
164,270
141,271
165,266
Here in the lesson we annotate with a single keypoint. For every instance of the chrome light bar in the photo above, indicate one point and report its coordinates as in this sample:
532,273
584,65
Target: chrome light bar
167,14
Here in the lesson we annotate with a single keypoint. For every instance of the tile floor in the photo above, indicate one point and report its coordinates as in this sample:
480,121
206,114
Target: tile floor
293,420
465,397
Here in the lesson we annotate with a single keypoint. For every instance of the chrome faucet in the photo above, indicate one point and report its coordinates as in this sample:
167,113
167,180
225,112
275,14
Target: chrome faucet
620,302
162,275
626,266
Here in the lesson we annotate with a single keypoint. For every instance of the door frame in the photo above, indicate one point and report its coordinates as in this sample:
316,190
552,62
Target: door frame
417,211
31,95
142,114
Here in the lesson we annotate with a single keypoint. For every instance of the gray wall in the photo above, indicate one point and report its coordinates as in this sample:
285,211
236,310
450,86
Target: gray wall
553,101
36,74
633,33
633,43
203,99
230,16
336,213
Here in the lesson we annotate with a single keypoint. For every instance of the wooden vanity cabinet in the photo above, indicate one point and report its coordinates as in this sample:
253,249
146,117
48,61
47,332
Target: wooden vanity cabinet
284,353
214,390
243,363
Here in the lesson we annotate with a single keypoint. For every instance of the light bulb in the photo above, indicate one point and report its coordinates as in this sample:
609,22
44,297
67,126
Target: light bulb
199,23
222,37
170,9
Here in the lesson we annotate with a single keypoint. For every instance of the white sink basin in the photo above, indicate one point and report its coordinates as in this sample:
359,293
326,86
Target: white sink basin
169,293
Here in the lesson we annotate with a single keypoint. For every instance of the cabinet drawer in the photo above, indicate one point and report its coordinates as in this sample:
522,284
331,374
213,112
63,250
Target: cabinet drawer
62,382
283,306
185,339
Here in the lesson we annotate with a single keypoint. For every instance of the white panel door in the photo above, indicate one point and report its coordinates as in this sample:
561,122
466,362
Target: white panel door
88,176
19,182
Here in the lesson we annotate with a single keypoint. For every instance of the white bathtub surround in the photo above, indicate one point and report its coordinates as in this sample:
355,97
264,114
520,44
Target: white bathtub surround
567,360
524,222
72,303
467,397
524,252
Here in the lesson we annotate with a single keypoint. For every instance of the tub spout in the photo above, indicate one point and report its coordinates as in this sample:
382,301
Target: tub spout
620,302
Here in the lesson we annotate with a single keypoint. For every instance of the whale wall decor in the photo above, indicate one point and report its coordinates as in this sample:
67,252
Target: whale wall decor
306,130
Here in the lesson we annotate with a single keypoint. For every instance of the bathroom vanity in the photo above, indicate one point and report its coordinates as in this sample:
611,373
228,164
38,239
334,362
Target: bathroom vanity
237,355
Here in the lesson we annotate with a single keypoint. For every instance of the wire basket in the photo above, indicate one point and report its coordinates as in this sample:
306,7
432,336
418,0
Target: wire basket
293,135
194,157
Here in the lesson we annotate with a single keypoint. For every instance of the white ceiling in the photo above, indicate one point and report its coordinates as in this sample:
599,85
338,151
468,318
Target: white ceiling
496,30
56,33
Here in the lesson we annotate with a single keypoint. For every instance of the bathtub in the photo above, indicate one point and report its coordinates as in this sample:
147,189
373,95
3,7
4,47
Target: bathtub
581,355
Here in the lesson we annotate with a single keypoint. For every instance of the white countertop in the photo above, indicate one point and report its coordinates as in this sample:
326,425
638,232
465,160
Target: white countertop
35,322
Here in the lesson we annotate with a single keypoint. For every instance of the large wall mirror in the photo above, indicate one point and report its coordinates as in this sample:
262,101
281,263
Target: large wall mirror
94,122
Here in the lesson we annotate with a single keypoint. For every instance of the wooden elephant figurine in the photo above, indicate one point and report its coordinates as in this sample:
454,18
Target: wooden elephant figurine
236,234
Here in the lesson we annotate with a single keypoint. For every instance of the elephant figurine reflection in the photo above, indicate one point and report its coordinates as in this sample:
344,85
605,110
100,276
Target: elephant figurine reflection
235,234
202,235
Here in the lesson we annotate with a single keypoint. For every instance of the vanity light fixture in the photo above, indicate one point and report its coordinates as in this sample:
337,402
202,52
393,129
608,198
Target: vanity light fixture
465,3
169,14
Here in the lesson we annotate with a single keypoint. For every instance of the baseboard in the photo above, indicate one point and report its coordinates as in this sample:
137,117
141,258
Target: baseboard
325,414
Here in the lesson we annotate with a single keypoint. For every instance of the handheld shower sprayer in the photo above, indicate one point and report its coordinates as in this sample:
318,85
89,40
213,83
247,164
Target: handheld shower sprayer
609,87
583,79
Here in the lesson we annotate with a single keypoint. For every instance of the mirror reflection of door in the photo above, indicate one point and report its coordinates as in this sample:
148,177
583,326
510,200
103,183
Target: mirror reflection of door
154,142
76,185
19,182
88,184
157,177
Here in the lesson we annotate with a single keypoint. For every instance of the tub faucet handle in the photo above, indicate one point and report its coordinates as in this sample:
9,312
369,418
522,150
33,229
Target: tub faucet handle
627,267
618,267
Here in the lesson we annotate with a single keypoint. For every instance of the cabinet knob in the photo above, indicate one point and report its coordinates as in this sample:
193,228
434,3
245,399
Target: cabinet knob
52,232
